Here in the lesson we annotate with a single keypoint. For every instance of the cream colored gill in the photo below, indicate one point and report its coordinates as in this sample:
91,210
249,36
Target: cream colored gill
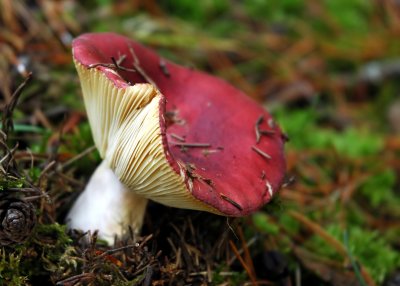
106,105
126,129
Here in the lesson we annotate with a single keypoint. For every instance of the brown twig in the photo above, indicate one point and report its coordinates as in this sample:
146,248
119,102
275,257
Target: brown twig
320,231
229,200
164,69
46,169
262,153
177,137
245,266
76,158
260,132
257,128
116,64
191,145
246,252
136,65
9,108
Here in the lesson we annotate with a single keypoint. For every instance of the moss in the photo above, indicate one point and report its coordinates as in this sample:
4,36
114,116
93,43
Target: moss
366,246
10,273
7,182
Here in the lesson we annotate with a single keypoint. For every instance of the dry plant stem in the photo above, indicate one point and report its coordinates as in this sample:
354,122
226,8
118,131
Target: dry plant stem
249,243
247,256
245,266
229,200
329,239
320,231
138,68
108,206
9,108
191,145
257,128
177,137
76,158
260,152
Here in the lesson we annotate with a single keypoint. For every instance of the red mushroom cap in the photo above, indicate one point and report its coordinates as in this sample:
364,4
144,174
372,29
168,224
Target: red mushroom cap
224,163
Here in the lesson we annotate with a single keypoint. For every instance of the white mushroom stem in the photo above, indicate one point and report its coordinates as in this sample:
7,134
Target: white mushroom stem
108,206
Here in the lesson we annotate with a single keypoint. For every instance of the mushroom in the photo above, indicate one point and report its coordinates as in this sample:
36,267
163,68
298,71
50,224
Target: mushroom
170,134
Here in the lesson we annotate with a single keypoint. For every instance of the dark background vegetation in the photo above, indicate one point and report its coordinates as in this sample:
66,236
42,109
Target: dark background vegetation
328,70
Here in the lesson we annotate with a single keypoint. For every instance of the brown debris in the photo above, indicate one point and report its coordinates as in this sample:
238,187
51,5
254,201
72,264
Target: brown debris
116,65
164,69
229,200
259,132
177,137
138,68
262,153
191,144
257,128
207,151
171,117
7,123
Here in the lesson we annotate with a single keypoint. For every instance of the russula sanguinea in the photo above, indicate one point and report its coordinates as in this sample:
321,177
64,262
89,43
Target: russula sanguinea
169,134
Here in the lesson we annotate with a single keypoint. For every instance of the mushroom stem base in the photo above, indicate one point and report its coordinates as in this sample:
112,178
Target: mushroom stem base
108,206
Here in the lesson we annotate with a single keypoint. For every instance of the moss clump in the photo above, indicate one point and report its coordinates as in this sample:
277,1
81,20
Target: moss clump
10,273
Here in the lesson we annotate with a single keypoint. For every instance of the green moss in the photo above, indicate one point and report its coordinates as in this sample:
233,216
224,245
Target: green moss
44,251
7,182
235,278
275,11
379,190
351,16
305,133
199,12
10,274
263,223
367,247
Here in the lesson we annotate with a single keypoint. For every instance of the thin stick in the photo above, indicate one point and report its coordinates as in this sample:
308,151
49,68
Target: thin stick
24,190
33,198
112,251
164,69
9,108
145,240
353,262
229,200
271,123
240,251
246,252
177,137
45,170
267,132
262,153
191,145
257,128
245,266
121,59
92,66
317,229
121,67
77,157
136,65
73,279
207,152
116,64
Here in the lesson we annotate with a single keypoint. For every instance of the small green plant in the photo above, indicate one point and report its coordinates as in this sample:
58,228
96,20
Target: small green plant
10,269
378,190
7,182
366,246
350,142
